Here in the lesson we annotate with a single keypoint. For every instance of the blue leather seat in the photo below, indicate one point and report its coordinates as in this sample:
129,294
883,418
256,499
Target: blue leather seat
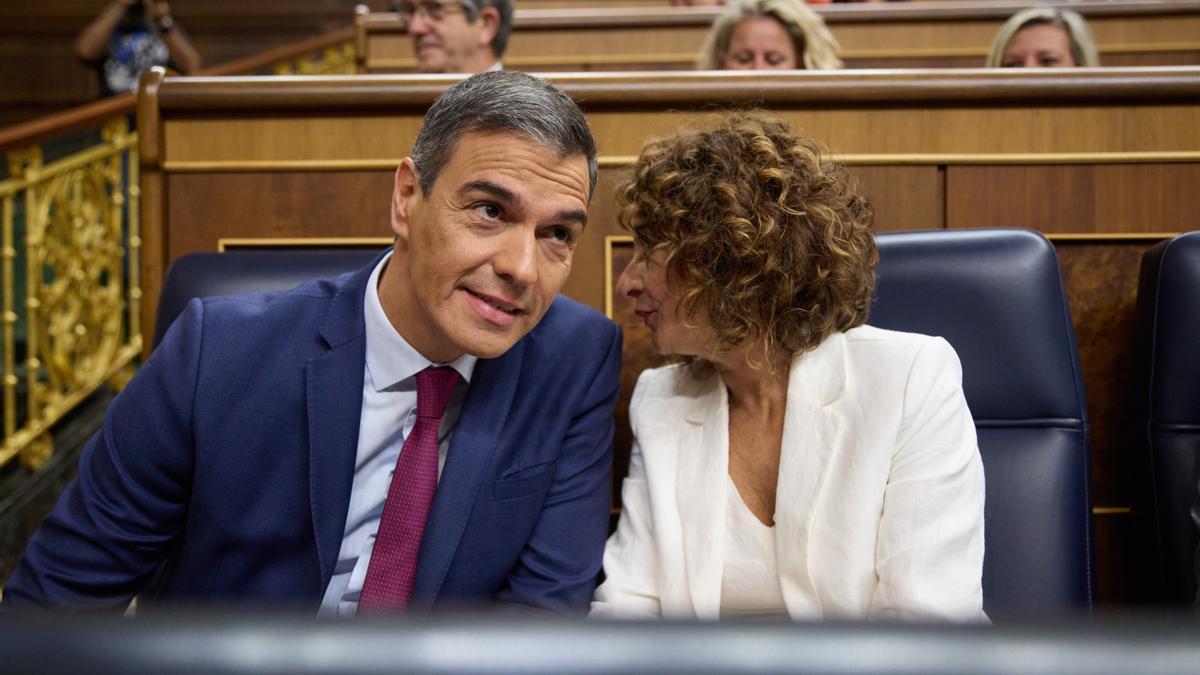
199,275
998,298
1168,310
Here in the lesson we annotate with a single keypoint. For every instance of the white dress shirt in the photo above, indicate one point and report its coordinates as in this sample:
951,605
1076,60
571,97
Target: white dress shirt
389,412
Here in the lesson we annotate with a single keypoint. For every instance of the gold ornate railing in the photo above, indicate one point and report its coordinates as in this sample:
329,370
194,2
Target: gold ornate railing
81,290
70,309
338,59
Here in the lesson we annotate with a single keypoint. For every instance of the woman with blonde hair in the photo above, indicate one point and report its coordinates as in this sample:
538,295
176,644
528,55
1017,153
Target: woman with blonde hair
1044,37
769,35
794,462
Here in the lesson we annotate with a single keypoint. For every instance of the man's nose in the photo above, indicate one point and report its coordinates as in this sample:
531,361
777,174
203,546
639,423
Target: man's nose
418,24
516,262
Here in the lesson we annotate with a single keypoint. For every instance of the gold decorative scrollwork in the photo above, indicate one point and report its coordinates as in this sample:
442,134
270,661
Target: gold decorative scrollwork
38,451
79,291
81,284
339,59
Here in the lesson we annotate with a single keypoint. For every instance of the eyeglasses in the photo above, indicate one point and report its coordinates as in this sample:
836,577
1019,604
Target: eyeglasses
430,10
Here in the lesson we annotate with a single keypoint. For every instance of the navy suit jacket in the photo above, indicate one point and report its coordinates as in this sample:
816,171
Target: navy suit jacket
223,471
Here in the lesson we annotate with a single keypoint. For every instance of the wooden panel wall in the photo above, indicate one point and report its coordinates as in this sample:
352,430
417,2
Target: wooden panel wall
894,35
40,75
1102,161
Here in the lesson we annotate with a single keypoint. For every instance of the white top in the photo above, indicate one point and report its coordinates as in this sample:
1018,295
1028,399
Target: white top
389,413
750,580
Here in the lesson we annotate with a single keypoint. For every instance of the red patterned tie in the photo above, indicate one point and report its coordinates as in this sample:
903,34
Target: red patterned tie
393,566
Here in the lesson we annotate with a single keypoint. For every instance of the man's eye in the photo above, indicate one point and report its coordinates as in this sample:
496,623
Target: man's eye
489,211
562,234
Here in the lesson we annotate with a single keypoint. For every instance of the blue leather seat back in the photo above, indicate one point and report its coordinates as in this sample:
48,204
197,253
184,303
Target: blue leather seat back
998,298
1169,322
200,275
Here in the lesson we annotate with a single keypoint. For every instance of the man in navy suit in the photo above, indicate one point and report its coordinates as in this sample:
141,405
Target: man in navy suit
252,457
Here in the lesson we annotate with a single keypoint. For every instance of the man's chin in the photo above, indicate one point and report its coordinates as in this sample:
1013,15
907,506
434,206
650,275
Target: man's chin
489,345
433,63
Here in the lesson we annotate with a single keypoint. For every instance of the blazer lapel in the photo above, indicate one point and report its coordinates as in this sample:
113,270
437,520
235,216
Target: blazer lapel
476,435
814,432
334,382
703,465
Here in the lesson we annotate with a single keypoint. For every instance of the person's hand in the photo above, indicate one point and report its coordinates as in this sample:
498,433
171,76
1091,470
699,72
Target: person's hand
116,8
156,9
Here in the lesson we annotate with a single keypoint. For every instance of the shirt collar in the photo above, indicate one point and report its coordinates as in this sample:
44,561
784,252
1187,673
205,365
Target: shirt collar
391,361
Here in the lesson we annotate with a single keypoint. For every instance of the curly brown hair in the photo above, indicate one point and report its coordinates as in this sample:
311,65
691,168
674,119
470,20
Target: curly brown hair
762,238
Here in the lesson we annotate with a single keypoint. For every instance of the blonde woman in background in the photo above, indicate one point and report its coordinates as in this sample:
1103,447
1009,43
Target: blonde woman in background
769,35
1044,37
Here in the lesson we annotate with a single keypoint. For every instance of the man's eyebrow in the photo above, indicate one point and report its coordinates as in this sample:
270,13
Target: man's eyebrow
498,191
507,196
574,215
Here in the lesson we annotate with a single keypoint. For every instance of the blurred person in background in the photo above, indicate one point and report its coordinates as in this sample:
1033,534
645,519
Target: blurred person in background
769,35
457,36
1044,37
130,36
793,461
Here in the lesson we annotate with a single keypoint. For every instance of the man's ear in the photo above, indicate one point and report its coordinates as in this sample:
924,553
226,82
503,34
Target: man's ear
489,18
406,193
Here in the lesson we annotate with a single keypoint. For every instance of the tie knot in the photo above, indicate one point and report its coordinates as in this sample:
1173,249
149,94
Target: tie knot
434,388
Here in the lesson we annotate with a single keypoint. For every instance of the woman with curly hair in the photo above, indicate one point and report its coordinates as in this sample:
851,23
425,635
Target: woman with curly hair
794,461
768,35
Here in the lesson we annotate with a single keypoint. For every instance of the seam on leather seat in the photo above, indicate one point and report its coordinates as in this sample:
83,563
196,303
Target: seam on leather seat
1069,423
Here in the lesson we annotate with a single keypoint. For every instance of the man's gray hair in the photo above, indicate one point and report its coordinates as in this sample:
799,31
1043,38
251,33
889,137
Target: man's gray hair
503,30
504,101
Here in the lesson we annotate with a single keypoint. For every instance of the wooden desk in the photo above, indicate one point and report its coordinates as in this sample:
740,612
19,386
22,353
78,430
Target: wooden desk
1104,161
900,35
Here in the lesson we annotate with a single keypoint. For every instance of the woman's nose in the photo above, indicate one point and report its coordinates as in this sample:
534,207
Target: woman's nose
630,284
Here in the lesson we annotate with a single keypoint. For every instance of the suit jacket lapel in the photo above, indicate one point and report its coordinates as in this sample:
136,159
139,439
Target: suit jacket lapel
493,384
334,382
701,496
814,432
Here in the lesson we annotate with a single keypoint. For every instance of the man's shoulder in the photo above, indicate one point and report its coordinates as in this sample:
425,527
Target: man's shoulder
313,294
267,322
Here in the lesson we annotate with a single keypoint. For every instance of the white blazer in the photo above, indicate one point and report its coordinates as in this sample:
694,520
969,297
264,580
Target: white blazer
879,507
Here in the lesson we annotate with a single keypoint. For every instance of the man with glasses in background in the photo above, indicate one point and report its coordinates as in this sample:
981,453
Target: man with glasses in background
457,36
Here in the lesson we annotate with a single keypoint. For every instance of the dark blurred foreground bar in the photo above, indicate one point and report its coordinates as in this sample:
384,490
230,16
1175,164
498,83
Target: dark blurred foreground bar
228,644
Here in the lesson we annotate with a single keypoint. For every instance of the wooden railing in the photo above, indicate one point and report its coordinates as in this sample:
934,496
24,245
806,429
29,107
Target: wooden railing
917,34
70,254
